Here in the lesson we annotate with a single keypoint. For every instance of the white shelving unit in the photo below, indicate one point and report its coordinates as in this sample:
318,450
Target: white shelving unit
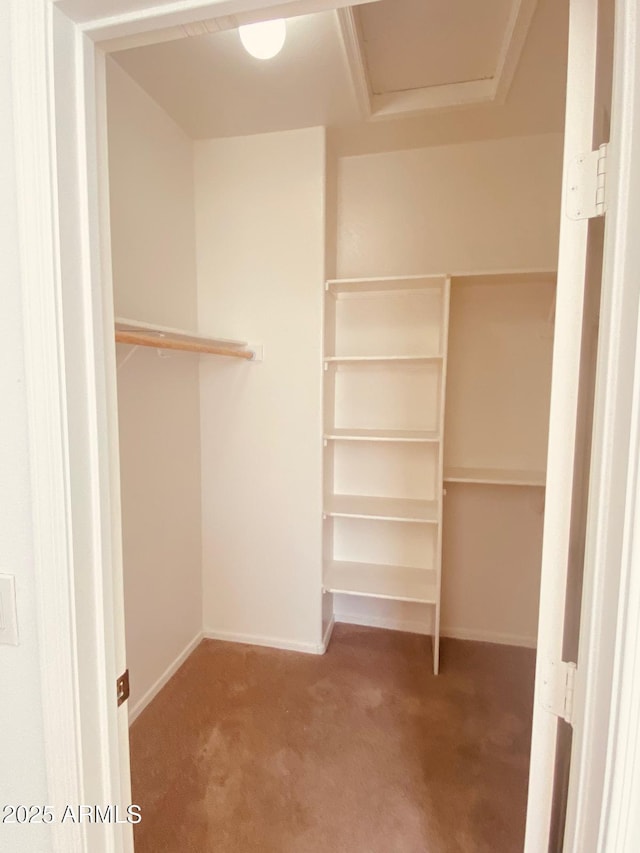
385,358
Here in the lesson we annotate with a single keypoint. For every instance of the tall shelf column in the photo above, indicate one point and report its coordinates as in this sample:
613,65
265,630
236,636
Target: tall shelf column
385,358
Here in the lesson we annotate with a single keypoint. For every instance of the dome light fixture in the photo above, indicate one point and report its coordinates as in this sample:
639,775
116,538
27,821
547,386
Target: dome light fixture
265,39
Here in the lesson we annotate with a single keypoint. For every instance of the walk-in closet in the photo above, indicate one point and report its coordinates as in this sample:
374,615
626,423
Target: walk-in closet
334,277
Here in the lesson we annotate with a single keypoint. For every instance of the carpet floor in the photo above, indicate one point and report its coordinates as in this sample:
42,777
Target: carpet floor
362,750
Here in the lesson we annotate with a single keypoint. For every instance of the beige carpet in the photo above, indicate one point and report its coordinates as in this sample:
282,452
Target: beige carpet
363,750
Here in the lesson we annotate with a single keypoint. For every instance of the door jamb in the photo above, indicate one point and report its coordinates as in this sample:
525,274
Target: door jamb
604,785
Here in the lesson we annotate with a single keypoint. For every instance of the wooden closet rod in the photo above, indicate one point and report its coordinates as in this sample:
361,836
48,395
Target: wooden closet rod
140,339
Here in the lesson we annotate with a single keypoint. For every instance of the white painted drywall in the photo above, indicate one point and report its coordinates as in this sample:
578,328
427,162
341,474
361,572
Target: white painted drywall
499,373
492,548
476,206
154,273
260,248
22,759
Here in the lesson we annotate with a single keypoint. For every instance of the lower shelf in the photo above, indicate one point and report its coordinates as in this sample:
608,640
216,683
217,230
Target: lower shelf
341,434
399,583
386,509
494,476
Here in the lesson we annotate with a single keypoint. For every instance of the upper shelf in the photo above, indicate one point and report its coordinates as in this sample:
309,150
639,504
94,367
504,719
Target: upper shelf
383,359
512,277
385,284
136,333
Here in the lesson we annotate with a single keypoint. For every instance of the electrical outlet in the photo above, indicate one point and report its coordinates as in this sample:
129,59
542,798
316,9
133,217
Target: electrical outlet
8,614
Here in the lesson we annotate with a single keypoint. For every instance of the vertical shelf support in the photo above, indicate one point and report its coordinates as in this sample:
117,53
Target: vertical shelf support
440,484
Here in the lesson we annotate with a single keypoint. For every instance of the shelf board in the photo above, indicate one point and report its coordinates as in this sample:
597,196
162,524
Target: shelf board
384,509
385,284
137,333
398,583
530,276
390,359
494,477
430,436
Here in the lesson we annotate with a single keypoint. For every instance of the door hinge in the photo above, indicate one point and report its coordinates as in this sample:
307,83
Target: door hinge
587,184
122,687
558,687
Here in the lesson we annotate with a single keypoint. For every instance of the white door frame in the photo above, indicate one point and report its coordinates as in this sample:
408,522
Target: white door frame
613,657
58,65
563,427
605,735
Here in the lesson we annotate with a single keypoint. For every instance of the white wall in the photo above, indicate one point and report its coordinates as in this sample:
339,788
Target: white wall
492,549
22,762
476,206
260,246
154,273
499,373
485,205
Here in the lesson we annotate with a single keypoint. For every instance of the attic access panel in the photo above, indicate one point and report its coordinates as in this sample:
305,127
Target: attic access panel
408,56
410,44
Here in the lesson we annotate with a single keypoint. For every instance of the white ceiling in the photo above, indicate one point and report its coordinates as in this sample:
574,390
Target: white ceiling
211,87
388,59
410,44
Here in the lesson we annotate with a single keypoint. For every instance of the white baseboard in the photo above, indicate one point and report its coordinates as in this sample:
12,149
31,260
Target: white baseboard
156,687
263,640
420,627
490,637
408,625
326,639
411,626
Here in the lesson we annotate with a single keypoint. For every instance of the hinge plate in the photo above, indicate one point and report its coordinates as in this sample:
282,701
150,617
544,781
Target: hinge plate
122,688
586,179
558,687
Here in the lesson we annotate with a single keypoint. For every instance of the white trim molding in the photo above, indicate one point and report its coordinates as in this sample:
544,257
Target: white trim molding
427,98
150,694
267,641
352,43
607,810
499,639
166,21
409,626
620,827
39,245
425,628
328,632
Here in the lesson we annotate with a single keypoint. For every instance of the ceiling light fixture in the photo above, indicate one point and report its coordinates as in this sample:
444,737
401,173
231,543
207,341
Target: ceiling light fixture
265,39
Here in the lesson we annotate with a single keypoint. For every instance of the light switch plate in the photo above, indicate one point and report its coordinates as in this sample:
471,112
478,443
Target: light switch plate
8,614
